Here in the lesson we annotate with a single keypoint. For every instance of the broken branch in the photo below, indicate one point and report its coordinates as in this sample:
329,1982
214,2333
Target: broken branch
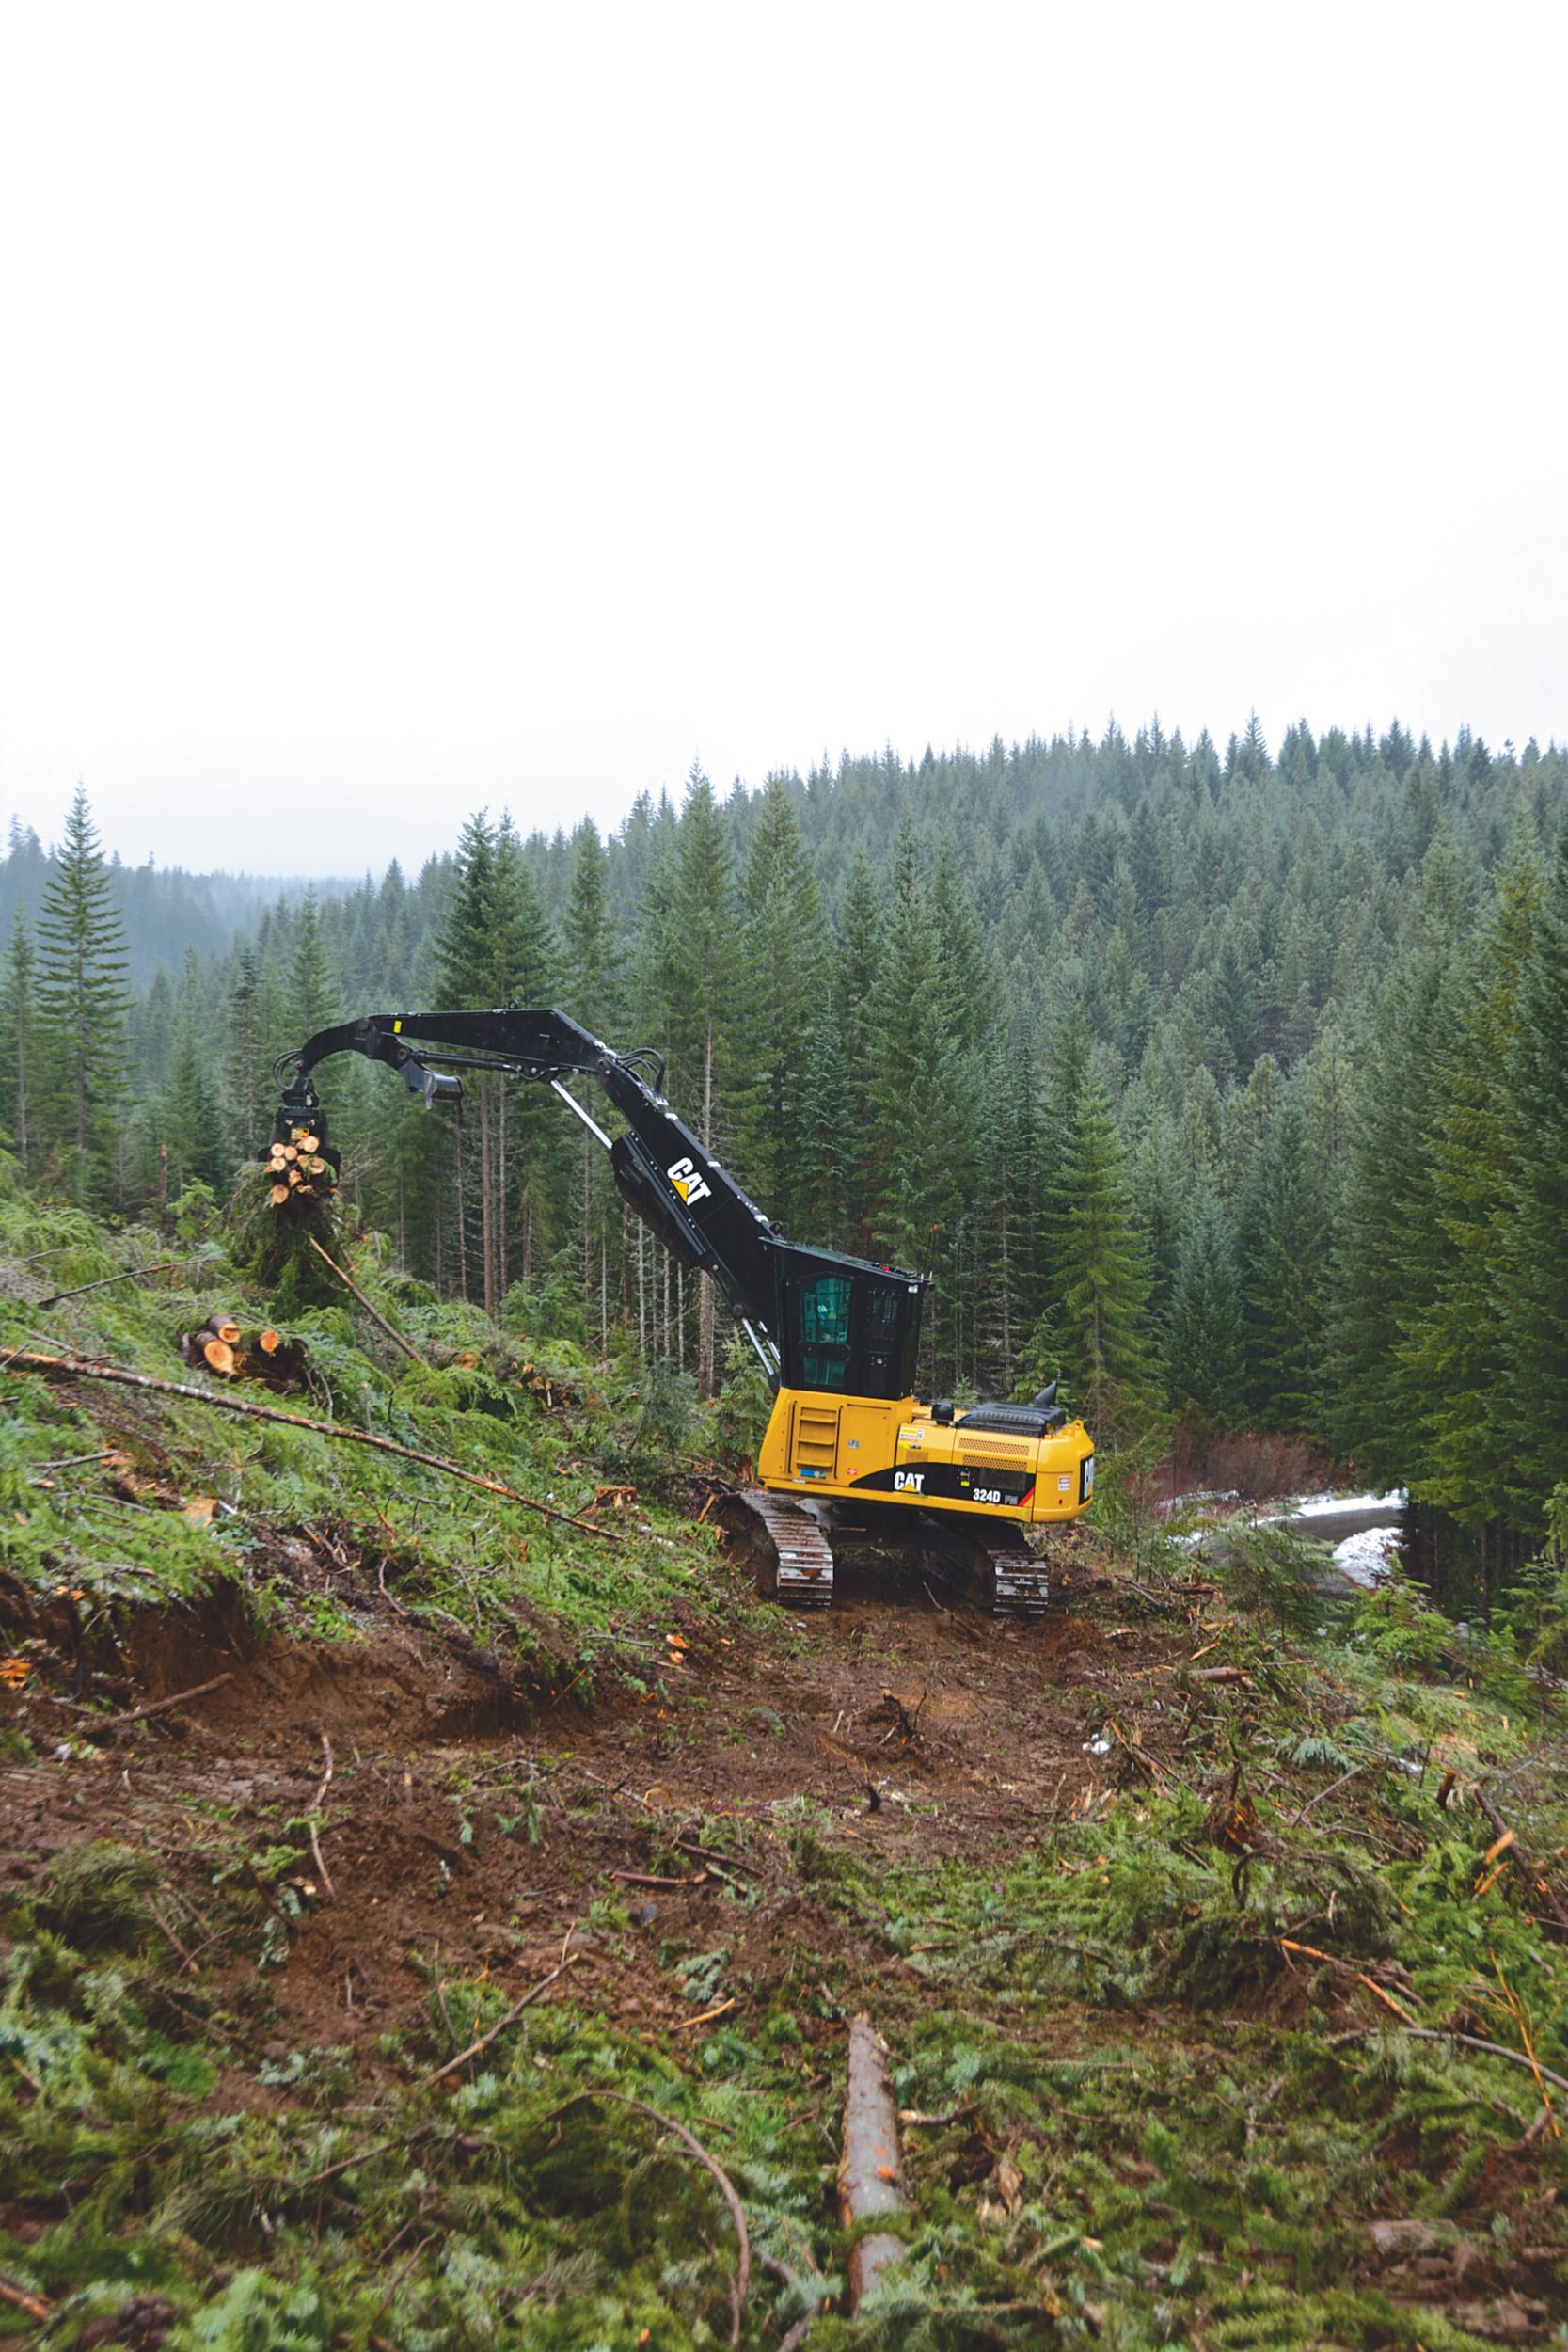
154,1706
1471,2041
74,1368
374,1312
509,2019
34,2305
688,2140
1510,1843
1310,1951
131,1273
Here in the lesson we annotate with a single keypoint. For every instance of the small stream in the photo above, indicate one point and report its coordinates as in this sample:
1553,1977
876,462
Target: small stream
1365,1530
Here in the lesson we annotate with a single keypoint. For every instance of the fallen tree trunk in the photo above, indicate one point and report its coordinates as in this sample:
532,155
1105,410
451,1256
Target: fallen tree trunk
76,1368
870,2179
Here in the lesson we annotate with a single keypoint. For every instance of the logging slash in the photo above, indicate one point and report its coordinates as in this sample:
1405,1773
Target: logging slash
18,1360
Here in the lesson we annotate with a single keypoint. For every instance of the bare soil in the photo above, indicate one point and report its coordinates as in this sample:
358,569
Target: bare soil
922,1729
478,1822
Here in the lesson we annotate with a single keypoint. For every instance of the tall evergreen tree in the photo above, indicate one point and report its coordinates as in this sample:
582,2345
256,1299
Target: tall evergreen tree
1101,1265
315,986
1205,1361
1283,1244
524,1149
594,956
1458,1332
249,1068
592,963
83,998
919,1110
1536,1261
786,960
697,964
19,1017
1388,1236
840,1126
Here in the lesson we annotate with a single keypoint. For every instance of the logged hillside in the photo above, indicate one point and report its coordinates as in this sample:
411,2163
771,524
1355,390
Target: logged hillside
430,1919
1226,1087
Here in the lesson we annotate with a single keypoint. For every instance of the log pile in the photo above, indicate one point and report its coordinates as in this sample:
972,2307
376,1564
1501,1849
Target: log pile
298,1171
280,1206
221,1346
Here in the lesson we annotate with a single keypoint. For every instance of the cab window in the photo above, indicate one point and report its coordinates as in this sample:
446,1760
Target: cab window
822,1311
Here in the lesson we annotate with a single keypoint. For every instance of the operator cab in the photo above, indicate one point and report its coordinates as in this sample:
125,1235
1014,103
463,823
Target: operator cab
849,1325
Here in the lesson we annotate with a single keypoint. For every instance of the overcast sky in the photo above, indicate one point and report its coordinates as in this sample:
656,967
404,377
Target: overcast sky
408,408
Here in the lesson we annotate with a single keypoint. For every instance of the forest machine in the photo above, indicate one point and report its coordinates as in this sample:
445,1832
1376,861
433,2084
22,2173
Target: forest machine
849,1451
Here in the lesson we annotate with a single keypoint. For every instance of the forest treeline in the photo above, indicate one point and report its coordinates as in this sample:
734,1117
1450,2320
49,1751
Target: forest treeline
163,910
1228,1085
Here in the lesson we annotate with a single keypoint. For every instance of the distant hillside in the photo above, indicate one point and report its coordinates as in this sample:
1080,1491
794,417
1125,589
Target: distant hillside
165,910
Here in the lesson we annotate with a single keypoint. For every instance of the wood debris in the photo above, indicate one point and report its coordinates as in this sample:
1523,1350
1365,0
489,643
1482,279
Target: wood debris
220,1346
870,2177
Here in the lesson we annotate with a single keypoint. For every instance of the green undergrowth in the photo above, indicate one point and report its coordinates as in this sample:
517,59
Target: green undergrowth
1132,2116
1186,2126
195,1500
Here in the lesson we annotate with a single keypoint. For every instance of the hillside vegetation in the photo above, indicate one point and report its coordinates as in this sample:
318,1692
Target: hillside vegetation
355,1998
1227,1086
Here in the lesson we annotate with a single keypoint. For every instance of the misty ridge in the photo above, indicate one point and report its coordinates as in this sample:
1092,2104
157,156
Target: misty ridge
164,911
1019,795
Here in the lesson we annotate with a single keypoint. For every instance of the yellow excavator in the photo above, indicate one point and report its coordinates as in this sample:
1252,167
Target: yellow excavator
849,1450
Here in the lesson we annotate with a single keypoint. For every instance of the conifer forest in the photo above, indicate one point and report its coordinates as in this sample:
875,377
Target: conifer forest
449,1903
1225,1085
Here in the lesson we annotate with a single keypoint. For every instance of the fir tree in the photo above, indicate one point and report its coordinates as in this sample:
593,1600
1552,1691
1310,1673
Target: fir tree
19,1015
1458,1332
313,985
1282,1250
786,957
917,1102
593,963
594,957
1388,1236
1536,1261
1102,1268
840,1121
465,946
700,973
250,1087
82,996
1204,1351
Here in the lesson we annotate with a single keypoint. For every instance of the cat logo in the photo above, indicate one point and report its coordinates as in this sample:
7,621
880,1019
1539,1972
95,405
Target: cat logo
912,1481
688,1182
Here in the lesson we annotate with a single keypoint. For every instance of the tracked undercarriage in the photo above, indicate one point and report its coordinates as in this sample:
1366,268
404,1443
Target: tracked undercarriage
789,1549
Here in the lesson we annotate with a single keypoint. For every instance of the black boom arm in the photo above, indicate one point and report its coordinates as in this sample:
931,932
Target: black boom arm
786,1297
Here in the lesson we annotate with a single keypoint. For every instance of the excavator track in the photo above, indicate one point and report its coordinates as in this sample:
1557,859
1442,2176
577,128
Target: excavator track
783,1545
998,1568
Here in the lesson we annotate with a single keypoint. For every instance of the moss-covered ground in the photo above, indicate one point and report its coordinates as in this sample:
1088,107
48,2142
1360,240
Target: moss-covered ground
1155,1902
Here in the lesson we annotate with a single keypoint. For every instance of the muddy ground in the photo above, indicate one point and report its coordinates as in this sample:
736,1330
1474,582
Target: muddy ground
472,1820
907,1722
